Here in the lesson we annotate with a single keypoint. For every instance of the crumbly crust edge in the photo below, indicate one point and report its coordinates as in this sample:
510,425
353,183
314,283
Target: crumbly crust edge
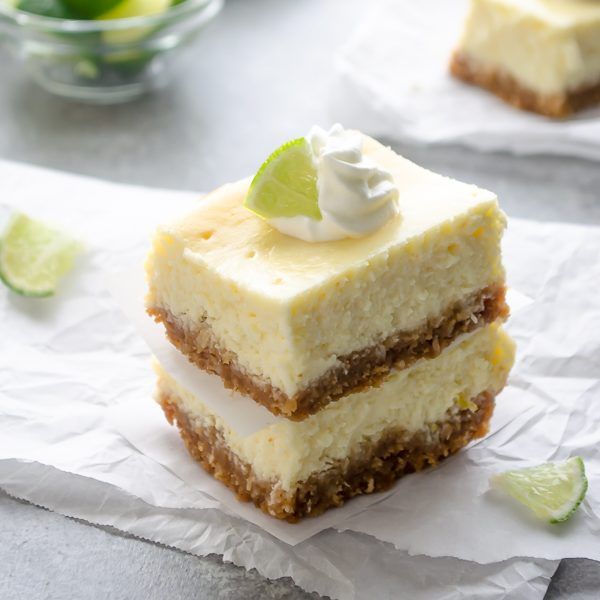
374,466
354,372
508,88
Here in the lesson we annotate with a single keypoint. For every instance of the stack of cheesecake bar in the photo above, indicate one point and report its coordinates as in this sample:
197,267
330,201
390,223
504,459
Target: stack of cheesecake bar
381,355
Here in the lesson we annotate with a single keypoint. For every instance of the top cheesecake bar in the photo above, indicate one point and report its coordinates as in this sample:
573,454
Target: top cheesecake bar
296,325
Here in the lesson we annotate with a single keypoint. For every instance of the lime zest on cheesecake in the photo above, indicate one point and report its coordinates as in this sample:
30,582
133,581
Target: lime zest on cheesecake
553,491
34,256
286,184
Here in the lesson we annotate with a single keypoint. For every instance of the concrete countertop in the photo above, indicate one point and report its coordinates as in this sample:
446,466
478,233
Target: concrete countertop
259,75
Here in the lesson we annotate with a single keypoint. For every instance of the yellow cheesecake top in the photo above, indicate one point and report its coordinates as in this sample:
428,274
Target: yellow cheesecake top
223,235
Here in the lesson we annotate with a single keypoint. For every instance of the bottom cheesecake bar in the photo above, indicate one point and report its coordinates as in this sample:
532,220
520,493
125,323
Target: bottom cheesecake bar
360,444
375,469
510,90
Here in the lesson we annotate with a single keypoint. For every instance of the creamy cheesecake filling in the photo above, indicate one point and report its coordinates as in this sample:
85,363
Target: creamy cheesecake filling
288,309
289,452
550,47
512,91
352,372
374,467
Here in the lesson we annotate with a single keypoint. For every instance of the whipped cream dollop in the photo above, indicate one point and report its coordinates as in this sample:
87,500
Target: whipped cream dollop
356,196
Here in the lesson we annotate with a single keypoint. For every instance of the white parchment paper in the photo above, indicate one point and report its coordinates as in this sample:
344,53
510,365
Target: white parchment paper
246,417
71,363
394,83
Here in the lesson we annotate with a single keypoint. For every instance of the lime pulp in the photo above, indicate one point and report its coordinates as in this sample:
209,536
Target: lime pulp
34,257
553,491
286,184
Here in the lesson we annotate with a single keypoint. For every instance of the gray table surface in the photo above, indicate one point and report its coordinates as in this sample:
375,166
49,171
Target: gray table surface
262,73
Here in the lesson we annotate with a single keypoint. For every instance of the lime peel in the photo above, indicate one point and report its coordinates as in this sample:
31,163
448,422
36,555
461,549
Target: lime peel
553,491
85,9
34,256
127,9
286,184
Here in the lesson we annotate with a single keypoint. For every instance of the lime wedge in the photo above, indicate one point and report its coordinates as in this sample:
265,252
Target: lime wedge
286,184
553,491
33,256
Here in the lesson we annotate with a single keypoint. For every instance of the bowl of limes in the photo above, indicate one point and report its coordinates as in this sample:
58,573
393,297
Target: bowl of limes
102,51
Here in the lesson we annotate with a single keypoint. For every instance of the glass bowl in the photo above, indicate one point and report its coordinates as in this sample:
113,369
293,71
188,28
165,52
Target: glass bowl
103,61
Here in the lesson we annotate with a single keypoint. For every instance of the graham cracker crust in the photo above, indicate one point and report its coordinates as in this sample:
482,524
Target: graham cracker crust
509,89
373,467
354,372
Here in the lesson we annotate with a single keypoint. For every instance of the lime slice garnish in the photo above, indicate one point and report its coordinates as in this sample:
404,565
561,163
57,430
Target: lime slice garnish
553,491
33,256
286,184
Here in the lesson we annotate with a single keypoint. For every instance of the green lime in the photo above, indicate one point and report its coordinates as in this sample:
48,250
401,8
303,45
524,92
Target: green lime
131,35
286,184
553,491
90,9
45,8
33,256
135,8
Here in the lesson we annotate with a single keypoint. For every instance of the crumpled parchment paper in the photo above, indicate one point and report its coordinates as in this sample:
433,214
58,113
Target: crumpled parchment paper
70,363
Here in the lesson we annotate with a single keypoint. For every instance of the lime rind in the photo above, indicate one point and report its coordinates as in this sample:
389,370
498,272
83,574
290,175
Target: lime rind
45,8
134,8
131,8
87,9
92,9
553,491
34,257
285,185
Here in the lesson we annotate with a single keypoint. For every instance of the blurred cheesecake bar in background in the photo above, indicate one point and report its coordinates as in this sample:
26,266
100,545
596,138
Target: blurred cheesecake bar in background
538,55
379,346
